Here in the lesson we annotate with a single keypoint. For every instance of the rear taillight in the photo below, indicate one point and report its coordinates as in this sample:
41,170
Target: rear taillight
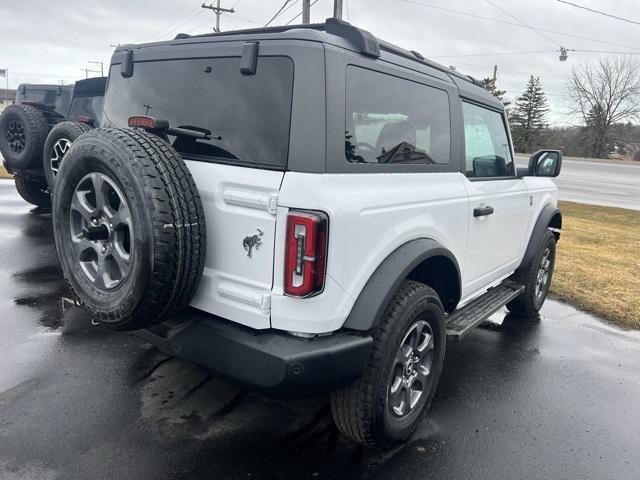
305,253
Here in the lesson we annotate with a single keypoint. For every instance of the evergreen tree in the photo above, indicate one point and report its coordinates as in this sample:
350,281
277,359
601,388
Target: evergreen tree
528,118
487,83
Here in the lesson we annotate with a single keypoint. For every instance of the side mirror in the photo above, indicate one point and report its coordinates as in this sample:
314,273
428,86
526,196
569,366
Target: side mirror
545,163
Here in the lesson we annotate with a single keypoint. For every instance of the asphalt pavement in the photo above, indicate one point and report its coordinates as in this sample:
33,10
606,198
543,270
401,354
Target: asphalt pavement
611,184
554,397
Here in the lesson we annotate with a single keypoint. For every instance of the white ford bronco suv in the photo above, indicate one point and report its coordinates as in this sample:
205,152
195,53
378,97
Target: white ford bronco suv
304,210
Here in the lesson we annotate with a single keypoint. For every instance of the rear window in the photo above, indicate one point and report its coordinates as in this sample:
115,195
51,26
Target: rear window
251,113
392,120
86,107
54,99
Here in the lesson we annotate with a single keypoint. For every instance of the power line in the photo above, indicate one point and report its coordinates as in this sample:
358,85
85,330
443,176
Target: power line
505,22
298,15
600,13
520,21
282,9
497,54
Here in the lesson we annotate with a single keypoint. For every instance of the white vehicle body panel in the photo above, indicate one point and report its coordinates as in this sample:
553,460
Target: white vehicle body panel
237,203
370,215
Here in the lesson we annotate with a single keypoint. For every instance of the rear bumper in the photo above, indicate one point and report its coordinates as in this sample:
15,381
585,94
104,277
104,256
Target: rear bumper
269,361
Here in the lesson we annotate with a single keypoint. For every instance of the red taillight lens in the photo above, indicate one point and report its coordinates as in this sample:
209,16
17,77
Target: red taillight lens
85,119
305,253
142,122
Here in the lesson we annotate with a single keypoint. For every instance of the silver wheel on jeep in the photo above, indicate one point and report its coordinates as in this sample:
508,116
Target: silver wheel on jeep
59,149
411,370
542,278
101,231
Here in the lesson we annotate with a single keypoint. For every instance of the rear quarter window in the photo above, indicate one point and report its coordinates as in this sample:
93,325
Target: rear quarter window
251,113
390,120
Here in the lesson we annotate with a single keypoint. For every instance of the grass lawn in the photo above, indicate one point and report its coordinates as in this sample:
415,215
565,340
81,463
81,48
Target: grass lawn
598,262
3,172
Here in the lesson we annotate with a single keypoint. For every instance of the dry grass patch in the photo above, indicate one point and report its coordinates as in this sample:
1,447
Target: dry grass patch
3,172
598,262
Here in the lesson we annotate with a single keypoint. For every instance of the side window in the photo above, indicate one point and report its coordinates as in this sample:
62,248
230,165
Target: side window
392,120
486,143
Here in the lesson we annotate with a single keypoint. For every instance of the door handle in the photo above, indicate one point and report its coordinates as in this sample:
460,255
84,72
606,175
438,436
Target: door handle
482,211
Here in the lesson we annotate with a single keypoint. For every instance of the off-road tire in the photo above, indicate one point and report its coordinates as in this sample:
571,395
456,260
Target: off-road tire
168,226
35,130
528,304
33,191
68,131
361,411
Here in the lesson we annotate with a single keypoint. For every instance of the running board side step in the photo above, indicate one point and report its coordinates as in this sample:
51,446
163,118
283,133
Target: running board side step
460,322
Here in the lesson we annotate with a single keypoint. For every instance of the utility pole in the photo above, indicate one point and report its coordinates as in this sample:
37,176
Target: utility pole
101,67
218,11
87,70
493,80
337,9
306,12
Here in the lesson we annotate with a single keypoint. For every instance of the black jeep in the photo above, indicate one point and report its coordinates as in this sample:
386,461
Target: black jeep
36,132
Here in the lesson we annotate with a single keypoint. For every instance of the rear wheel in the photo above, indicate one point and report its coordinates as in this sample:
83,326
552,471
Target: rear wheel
58,142
129,227
386,404
536,278
33,191
23,131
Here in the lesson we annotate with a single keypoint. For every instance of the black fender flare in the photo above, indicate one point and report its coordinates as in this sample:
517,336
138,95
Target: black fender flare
542,224
385,280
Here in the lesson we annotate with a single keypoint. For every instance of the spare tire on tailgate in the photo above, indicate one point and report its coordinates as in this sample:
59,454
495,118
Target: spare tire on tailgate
129,227
23,131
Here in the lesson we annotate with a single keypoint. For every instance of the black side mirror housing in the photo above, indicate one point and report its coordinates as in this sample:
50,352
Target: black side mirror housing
545,163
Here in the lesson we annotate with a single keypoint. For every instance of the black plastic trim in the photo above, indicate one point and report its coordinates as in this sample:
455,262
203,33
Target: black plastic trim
547,213
376,294
269,361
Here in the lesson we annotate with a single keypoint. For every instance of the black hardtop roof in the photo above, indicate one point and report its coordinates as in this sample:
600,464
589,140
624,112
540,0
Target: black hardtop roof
336,32
91,86
45,86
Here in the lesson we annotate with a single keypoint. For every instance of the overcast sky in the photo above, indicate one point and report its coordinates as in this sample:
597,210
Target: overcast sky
45,41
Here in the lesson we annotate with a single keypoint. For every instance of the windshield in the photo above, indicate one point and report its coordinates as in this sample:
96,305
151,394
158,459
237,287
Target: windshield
248,116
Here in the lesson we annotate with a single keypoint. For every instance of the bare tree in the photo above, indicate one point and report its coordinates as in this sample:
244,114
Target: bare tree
602,94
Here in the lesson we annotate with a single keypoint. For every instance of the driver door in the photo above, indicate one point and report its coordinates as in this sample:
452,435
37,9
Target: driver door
498,200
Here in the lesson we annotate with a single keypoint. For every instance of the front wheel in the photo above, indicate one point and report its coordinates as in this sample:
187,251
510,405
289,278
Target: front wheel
536,278
385,405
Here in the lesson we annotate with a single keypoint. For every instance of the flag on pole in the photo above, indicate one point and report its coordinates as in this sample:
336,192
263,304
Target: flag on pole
3,72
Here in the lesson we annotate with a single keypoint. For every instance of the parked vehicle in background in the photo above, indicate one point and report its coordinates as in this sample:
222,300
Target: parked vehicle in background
326,231
65,111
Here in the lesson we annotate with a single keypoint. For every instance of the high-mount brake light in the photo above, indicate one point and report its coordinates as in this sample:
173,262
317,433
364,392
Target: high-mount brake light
142,122
305,253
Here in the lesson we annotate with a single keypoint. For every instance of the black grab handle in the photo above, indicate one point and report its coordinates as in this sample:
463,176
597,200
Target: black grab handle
482,211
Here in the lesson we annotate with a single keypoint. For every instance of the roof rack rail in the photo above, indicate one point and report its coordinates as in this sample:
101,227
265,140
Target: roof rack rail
360,39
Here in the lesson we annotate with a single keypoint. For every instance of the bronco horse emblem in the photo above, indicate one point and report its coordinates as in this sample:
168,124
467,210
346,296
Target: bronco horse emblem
253,241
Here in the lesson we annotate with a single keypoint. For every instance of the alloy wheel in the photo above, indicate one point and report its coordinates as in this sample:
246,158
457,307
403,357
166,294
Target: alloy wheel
411,369
57,154
15,136
101,231
542,278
